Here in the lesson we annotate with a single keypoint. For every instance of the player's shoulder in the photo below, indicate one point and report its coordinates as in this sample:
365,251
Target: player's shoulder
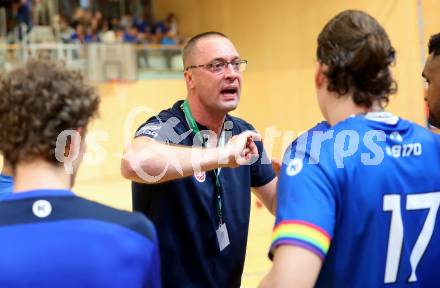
133,221
390,125
306,138
165,115
166,123
71,208
321,126
302,146
420,131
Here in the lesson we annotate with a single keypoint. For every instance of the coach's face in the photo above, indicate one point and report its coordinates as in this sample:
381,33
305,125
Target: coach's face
217,89
431,73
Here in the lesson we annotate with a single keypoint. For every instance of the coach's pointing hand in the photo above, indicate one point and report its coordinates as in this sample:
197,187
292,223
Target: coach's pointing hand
241,149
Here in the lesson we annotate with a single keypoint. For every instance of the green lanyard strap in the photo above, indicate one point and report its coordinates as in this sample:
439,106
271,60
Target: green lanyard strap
195,128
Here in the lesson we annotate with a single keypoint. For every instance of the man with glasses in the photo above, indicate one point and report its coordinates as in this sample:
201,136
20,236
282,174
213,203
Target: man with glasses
199,198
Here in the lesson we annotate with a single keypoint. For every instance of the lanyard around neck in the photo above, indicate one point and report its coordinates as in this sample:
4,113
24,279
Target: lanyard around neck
192,122
195,128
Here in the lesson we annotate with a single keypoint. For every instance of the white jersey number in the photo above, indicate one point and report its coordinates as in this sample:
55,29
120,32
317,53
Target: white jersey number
391,203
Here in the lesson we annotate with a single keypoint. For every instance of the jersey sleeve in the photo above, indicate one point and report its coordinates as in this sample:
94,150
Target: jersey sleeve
261,171
306,203
153,278
163,128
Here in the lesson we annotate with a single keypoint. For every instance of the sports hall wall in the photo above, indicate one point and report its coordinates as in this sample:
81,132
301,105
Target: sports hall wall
431,21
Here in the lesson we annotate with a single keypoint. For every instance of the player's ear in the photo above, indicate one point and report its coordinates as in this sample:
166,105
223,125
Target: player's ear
189,79
74,142
320,78
82,131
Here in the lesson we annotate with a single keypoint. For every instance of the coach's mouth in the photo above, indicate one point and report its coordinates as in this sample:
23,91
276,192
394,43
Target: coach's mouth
229,92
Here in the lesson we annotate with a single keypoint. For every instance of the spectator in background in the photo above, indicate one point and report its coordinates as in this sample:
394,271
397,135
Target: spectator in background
115,22
107,34
159,30
131,35
97,22
24,15
144,29
168,39
98,18
119,34
78,35
142,24
172,27
42,12
90,35
87,18
65,31
166,31
78,17
144,37
127,21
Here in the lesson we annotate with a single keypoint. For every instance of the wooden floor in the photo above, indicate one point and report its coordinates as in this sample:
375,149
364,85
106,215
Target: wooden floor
99,178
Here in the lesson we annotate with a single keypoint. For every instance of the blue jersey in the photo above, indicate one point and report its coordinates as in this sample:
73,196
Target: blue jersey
364,196
6,185
51,238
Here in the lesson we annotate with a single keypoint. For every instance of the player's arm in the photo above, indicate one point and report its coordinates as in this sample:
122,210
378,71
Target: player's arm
146,160
276,165
267,194
154,280
152,275
304,221
293,266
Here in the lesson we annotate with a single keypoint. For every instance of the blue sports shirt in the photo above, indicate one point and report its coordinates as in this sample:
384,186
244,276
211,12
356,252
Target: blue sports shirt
6,185
364,196
52,238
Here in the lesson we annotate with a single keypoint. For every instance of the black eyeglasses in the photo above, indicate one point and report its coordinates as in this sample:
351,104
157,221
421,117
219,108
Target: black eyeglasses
219,66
